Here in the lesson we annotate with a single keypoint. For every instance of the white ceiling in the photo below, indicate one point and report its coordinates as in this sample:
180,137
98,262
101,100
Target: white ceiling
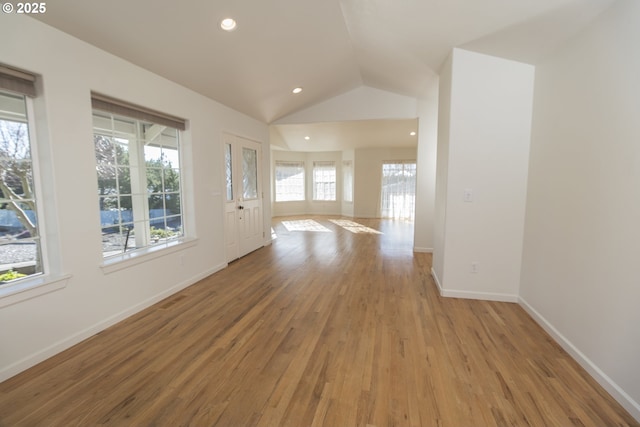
338,136
326,46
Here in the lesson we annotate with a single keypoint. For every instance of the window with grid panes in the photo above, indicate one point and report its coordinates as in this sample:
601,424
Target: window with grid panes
324,181
398,195
21,248
139,190
289,181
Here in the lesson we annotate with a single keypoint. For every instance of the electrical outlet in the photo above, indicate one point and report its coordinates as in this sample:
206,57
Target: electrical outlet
474,267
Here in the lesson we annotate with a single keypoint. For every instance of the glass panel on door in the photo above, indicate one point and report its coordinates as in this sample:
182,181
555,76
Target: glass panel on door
228,162
249,173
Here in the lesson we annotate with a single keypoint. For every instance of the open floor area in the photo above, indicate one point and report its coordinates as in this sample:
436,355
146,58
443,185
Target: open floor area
336,323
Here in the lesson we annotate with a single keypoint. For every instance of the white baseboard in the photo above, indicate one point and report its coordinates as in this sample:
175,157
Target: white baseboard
437,280
52,350
486,296
607,383
423,250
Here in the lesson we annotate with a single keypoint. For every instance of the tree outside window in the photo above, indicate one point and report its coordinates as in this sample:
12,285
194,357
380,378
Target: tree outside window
139,192
20,246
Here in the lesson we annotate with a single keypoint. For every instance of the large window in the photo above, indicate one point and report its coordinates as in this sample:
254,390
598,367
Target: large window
398,196
139,181
324,181
20,244
289,181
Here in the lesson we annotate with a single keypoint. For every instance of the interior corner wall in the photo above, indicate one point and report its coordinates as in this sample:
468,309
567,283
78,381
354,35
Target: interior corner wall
488,153
423,240
442,170
94,299
582,233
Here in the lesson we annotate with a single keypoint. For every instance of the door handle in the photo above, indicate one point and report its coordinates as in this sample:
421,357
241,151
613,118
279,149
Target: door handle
240,207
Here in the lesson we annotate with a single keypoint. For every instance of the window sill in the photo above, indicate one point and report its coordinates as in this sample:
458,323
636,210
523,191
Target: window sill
28,288
133,258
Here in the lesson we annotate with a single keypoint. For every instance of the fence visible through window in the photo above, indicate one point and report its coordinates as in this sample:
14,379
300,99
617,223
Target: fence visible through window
21,252
139,182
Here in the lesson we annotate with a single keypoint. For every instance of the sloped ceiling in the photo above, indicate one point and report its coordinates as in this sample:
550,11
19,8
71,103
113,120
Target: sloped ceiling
326,46
338,136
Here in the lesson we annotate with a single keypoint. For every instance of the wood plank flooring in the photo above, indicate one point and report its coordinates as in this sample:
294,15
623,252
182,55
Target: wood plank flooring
322,328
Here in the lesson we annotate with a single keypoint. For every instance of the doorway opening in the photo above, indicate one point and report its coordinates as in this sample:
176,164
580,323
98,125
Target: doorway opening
398,194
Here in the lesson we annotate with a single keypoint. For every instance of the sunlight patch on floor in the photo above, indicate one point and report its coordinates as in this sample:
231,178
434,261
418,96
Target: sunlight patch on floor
354,227
305,225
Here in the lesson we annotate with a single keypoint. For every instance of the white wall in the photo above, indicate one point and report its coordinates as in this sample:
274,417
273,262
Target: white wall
488,153
423,240
92,300
442,170
582,234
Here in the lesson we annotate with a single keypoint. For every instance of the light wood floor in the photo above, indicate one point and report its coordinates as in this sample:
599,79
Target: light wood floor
321,328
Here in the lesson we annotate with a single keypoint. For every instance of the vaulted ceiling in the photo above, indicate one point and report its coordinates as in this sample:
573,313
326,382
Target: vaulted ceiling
328,47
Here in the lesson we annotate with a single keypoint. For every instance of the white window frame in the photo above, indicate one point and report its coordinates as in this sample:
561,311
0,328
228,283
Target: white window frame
50,279
145,247
325,189
37,191
290,196
387,210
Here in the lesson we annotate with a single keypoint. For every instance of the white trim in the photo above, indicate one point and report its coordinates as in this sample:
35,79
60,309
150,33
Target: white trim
133,258
603,379
52,350
486,296
423,250
435,279
31,287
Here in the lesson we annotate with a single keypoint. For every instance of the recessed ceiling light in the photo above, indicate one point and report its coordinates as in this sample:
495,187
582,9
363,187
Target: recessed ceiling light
412,133
228,24
307,138
297,90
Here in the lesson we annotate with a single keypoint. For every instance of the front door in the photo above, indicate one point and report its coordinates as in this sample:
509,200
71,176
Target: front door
244,230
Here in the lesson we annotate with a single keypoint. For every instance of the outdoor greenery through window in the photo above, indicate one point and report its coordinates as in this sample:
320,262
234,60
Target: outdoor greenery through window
289,181
324,181
139,191
20,245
